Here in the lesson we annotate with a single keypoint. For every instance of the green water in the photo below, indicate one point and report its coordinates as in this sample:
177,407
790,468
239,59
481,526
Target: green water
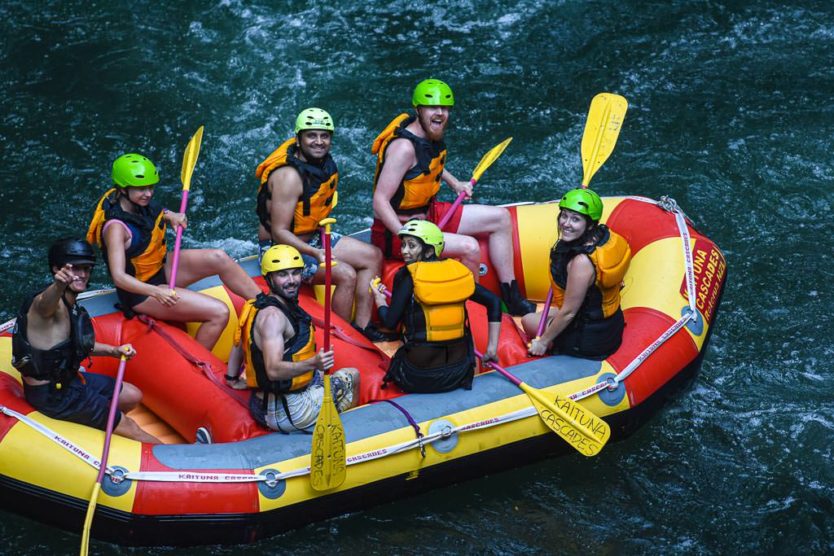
730,114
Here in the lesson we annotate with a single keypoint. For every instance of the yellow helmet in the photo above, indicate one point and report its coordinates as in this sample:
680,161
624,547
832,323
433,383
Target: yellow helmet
280,257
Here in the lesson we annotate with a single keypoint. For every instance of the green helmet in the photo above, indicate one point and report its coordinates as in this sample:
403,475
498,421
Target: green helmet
134,170
432,92
426,232
583,201
314,118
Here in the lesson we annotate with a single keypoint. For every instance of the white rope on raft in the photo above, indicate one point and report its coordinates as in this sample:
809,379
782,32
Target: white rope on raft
271,479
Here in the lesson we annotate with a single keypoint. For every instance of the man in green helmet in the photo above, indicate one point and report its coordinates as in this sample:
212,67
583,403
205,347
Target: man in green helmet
297,186
411,158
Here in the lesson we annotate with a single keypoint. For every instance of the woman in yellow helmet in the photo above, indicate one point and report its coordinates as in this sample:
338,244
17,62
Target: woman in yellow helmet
428,298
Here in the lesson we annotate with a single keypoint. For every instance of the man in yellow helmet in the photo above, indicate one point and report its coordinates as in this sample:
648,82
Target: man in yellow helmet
283,367
297,186
411,159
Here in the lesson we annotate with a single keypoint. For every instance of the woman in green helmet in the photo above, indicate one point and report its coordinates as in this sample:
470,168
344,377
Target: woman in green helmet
129,226
428,298
587,266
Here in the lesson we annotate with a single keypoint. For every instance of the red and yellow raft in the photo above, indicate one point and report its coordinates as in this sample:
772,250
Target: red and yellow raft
252,483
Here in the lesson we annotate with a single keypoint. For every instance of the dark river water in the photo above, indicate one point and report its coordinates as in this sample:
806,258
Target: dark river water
730,113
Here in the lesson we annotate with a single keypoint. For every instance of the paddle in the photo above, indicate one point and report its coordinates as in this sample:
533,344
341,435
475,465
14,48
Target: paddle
108,433
328,463
602,127
486,161
583,430
189,160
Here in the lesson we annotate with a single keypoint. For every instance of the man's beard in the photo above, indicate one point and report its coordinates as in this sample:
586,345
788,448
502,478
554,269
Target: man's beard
430,133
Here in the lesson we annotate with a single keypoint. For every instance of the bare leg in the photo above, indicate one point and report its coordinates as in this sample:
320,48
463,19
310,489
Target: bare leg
530,321
481,220
366,260
344,278
192,307
196,264
129,397
465,249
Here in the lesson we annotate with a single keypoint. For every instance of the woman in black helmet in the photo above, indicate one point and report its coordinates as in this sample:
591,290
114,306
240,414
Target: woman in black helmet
53,336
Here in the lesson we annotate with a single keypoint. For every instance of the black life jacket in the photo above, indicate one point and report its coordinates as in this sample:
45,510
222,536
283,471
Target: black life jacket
60,363
300,347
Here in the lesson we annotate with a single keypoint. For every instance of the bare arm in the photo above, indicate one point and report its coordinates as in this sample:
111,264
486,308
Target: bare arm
399,158
580,277
47,302
287,188
457,185
269,334
114,351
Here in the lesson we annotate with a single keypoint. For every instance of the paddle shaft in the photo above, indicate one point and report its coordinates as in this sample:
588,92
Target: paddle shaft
449,213
176,261
546,310
328,278
105,452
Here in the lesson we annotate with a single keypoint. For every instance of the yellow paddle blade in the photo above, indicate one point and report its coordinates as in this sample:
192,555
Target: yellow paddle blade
88,520
490,157
328,466
189,158
583,430
605,118
335,200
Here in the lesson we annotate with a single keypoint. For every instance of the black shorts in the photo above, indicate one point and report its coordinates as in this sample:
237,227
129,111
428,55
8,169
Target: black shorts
129,300
85,401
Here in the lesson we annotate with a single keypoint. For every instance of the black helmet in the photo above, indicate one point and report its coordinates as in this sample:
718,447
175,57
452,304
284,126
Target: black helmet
70,251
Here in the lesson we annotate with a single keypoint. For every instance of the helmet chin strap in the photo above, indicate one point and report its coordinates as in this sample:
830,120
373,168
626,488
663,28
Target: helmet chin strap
123,193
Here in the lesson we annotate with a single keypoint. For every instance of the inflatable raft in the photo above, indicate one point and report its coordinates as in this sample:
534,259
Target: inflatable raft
252,483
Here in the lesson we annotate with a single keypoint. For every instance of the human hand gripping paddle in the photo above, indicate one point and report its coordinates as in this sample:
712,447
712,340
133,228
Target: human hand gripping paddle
486,161
328,463
605,119
108,433
189,160
577,425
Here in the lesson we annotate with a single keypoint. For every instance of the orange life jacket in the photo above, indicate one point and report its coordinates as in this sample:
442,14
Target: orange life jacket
146,254
441,288
319,186
610,255
422,182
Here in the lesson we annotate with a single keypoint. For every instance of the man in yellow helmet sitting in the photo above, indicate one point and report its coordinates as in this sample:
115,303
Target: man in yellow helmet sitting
283,367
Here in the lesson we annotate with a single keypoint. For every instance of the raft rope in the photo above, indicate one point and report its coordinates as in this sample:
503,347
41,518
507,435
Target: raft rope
271,478
669,205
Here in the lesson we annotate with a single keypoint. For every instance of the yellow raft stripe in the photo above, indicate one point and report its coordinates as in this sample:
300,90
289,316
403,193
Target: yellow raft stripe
654,280
471,442
224,344
537,232
30,457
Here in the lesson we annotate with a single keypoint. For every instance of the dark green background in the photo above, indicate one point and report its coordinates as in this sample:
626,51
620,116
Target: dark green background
730,114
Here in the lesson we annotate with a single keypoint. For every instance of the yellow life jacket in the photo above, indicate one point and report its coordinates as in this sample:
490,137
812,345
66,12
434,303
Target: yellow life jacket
300,347
611,256
422,182
145,255
441,288
319,186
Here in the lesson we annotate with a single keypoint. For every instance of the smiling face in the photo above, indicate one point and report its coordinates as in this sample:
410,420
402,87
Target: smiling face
433,120
80,273
285,283
571,225
139,195
314,144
